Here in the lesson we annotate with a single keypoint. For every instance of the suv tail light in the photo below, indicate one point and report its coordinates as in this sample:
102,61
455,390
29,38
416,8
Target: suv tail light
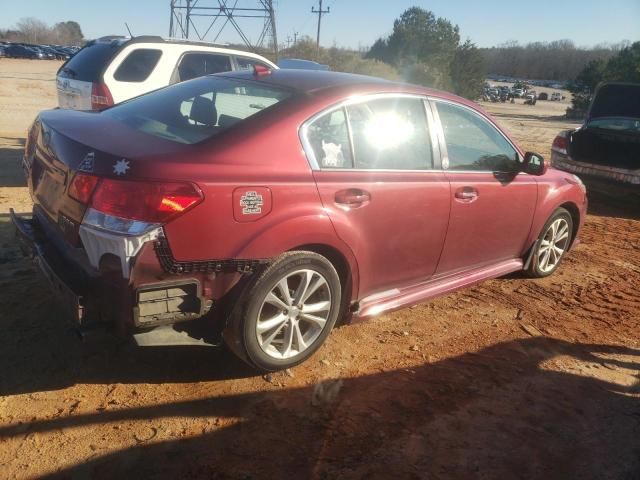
82,187
100,96
560,144
150,202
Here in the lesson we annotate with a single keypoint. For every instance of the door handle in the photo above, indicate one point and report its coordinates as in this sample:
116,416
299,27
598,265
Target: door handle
466,194
352,197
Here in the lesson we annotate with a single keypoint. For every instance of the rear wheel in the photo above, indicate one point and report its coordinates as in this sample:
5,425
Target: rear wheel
552,244
286,314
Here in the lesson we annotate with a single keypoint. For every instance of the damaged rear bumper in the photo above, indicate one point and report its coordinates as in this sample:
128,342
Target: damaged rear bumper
566,163
146,302
69,285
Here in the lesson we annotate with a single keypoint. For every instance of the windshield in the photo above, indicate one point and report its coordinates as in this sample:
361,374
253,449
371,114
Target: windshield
195,110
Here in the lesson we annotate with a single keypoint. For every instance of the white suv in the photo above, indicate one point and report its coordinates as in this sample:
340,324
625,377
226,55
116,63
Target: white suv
113,69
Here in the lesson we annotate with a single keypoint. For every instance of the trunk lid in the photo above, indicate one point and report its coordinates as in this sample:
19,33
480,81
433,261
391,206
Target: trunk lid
64,142
616,100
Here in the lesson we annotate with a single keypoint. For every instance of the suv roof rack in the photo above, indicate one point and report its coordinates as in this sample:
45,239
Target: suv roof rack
156,39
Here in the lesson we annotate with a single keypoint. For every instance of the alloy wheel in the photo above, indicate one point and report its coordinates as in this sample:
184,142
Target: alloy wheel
293,314
553,245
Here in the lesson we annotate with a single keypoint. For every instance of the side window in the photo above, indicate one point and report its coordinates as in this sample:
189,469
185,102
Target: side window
138,65
390,133
329,138
245,63
473,143
195,65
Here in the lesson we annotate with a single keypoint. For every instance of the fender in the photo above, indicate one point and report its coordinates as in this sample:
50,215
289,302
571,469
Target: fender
561,190
291,233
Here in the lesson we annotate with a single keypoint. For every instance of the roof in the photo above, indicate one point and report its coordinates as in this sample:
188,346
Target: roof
318,81
310,81
156,39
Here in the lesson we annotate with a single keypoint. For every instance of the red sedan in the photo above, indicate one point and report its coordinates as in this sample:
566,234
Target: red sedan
264,206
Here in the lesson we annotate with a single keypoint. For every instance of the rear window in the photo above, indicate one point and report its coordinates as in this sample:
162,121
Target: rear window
193,111
138,65
88,64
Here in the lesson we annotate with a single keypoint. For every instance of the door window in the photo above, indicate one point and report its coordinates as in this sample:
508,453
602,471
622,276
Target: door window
245,63
138,65
195,65
329,139
390,134
473,143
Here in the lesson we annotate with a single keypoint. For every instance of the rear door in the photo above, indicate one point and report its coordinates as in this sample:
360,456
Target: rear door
492,203
75,78
375,165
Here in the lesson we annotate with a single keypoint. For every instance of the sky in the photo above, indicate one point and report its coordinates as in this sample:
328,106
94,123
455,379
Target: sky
358,23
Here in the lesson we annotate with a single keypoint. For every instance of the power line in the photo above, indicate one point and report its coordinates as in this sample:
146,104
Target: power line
320,12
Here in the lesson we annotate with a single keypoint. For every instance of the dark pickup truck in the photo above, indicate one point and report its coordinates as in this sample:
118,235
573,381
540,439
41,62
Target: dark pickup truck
608,144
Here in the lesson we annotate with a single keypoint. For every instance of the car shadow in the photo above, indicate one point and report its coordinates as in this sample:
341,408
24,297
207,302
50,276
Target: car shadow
609,199
506,411
11,172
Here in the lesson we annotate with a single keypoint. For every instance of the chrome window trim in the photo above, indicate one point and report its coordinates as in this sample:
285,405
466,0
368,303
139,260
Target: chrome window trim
353,100
443,145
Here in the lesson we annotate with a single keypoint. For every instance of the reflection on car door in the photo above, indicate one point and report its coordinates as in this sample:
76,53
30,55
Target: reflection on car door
374,168
492,204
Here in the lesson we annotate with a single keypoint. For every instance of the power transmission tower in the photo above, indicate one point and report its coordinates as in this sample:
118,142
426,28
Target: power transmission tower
320,12
209,19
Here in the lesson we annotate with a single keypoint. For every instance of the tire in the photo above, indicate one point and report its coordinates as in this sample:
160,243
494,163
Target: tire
268,329
552,244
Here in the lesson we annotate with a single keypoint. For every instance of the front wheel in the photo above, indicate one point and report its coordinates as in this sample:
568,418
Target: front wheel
552,244
287,313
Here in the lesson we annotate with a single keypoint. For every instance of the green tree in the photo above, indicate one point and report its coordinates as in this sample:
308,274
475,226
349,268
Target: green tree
468,71
68,33
622,67
427,51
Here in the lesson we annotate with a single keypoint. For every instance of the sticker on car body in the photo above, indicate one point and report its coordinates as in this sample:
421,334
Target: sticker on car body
87,162
251,203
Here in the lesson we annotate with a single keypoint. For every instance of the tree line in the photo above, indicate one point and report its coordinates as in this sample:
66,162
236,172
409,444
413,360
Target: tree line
32,30
558,60
624,66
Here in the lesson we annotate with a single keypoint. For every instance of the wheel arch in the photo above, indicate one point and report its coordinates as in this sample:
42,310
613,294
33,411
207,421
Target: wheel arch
346,272
574,211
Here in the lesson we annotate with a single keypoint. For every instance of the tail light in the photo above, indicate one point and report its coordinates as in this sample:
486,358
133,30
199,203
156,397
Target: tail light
560,144
82,187
150,202
100,96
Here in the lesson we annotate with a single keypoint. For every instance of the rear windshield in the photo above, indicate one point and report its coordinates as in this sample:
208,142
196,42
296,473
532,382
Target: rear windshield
195,110
88,64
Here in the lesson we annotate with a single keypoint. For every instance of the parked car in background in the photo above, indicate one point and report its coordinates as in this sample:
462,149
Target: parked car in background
556,96
113,69
607,145
268,204
543,96
20,51
297,63
518,92
2,51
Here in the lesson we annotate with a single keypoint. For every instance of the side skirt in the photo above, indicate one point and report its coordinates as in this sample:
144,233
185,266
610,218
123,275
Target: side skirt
411,295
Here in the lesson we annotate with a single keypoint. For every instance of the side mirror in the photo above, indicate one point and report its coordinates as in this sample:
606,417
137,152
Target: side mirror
534,164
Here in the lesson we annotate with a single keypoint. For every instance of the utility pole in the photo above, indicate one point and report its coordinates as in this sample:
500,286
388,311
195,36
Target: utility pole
320,12
295,38
288,41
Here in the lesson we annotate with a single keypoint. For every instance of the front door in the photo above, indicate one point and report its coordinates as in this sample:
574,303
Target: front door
492,203
374,168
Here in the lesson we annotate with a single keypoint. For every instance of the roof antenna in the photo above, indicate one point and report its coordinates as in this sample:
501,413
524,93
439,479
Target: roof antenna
128,29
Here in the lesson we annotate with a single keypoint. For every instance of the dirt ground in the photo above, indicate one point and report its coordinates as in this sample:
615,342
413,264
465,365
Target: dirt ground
512,379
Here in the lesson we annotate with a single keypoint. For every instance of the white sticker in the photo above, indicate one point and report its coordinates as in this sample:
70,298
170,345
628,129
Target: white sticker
333,156
251,203
121,167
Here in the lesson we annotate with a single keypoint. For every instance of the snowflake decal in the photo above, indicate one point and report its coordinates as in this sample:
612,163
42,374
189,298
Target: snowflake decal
121,167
